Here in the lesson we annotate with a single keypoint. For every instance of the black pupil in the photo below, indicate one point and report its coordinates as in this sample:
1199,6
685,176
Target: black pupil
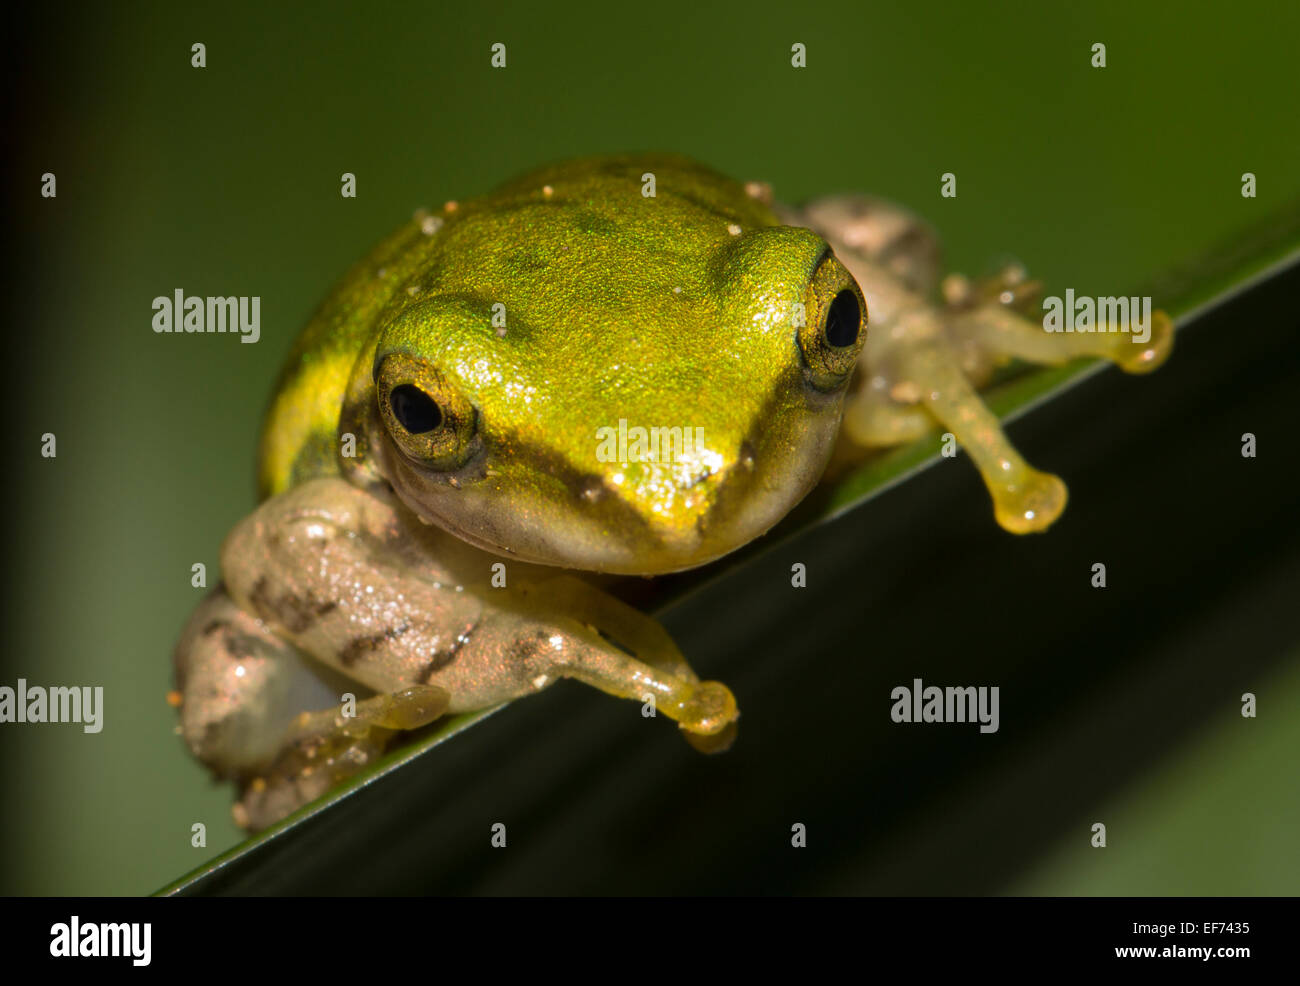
843,320
416,410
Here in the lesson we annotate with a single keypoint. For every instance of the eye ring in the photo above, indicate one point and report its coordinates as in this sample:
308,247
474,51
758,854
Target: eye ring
835,324
425,415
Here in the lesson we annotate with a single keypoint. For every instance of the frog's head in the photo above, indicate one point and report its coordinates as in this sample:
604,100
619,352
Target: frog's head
585,377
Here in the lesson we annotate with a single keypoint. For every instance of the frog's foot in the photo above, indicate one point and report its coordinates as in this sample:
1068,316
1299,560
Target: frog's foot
625,653
329,745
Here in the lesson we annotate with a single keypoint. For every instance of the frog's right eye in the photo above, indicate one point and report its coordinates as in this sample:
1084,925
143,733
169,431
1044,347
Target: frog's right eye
427,417
835,325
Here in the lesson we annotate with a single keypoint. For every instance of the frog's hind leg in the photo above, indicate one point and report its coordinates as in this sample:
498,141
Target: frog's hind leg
259,711
239,686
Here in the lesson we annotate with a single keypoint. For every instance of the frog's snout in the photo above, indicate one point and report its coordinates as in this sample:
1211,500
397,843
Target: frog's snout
703,513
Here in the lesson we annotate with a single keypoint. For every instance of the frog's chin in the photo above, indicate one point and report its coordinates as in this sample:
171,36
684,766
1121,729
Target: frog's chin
617,542
608,558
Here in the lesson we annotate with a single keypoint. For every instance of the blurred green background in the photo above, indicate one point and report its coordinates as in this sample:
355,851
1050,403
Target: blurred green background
225,180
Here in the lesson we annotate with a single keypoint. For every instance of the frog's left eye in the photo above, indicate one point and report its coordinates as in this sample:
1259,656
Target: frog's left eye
427,417
835,324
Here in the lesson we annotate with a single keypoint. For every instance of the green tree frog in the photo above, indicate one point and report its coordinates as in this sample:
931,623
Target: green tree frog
442,503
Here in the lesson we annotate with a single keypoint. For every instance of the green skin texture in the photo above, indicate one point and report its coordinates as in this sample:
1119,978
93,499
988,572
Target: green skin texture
618,306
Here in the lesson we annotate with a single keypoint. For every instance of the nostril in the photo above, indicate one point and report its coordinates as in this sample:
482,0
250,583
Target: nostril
592,489
747,456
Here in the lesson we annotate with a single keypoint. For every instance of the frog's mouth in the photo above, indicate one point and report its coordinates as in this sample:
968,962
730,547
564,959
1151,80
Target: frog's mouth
620,521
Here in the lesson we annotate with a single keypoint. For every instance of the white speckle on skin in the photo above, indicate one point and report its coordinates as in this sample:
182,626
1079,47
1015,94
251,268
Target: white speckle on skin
540,681
733,229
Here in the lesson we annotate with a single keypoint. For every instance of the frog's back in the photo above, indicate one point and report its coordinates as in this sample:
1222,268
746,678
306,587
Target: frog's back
299,438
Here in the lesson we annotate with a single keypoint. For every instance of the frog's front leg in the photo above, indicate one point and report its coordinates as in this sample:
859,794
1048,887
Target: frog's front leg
625,653
1001,332
924,359
1024,499
350,577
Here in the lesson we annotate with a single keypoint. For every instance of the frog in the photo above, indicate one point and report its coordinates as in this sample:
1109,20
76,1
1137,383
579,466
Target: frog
443,517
